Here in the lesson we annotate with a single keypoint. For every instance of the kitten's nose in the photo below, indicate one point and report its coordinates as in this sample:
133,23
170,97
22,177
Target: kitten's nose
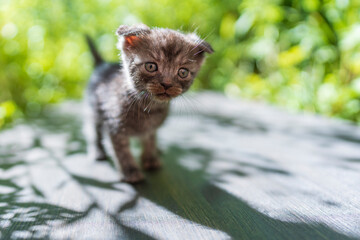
166,85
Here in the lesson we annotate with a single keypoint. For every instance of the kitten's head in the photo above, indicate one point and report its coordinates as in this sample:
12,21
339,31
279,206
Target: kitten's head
162,62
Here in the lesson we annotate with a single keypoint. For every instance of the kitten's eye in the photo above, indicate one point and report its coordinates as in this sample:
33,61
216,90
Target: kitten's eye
151,67
183,72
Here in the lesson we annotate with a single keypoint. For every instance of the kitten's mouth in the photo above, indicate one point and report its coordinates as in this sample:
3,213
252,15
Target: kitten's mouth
163,96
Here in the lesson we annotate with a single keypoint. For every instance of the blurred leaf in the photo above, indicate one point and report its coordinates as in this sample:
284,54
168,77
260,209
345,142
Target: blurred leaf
303,55
291,57
227,27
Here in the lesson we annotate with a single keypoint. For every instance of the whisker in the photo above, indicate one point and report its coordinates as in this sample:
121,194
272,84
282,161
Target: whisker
192,106
152,103
140,106
200,41
134,98
148,105
185,107
198,52
210,33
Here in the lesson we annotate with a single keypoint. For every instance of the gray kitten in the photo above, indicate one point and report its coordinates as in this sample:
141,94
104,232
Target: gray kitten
133,99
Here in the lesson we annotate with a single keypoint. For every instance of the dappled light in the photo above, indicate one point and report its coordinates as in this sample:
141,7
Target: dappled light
229,175
231,168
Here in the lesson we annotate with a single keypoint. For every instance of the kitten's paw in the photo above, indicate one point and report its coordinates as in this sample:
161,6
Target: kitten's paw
150,163
133,175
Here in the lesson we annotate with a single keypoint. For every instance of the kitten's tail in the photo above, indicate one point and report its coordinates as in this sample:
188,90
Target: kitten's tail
96,55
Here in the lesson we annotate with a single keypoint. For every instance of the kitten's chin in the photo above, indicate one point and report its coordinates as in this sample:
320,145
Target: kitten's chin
163,97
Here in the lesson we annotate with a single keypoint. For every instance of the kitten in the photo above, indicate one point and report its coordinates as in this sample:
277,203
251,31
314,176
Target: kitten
132,99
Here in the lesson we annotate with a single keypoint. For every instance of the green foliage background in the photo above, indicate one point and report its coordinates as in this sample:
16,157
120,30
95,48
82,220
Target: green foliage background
298,54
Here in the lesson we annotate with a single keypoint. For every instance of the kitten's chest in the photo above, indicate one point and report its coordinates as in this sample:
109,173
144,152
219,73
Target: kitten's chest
138,120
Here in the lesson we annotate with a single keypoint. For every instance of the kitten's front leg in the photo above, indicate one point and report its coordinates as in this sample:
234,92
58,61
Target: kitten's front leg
131,171
149,156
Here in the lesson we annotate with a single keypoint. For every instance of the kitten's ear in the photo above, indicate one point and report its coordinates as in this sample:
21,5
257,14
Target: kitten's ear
206,47
126,30
131,33
201,45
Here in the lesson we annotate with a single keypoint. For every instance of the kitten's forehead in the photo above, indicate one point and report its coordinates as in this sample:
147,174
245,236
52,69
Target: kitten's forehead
162,45
169,42
166,36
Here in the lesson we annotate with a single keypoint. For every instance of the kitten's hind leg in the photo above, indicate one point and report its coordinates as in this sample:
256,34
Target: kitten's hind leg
132,173
92,129
100,154
149,156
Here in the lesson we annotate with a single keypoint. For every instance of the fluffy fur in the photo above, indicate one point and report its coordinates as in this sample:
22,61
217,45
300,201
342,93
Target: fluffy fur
132,99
